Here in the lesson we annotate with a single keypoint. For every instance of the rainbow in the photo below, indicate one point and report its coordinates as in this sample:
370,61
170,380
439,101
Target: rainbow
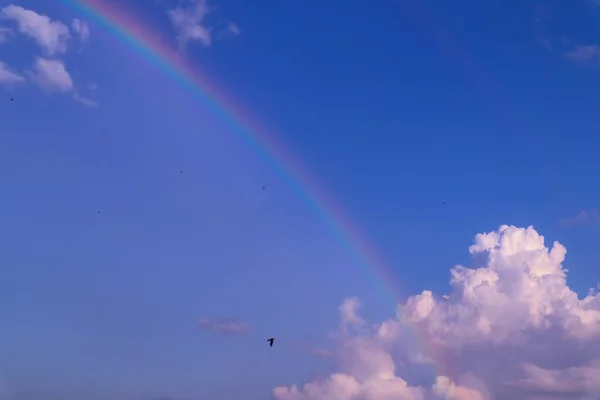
160,51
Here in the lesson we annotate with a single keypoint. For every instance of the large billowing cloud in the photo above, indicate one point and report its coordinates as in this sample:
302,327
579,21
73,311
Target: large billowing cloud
510,329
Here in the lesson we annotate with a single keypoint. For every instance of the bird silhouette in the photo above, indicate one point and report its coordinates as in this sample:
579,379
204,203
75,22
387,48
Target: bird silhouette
11,99
181,172
264,187
271,340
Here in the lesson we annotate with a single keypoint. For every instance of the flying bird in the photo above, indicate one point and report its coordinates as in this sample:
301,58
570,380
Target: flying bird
11,99
181,172
271,342
443,202
264,187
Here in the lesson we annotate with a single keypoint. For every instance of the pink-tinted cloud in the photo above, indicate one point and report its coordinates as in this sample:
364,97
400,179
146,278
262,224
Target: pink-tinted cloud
510,329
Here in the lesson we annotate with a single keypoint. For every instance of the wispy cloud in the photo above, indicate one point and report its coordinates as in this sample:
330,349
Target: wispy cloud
233,28
5,34
224,325
591,216
7,76
81,29
584,54
542,15
84,100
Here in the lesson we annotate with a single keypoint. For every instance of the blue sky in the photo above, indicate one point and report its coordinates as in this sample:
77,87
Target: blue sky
394,108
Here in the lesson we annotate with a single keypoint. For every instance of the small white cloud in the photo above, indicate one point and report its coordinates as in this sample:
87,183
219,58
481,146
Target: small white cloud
81,29
51,36
51,75
225,326
5,34
7,76
189,23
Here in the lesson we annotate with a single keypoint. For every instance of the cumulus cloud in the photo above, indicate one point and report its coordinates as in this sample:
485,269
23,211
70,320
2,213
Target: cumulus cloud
7,76
510,329
51,75
51,36
584,54
81,29
226,326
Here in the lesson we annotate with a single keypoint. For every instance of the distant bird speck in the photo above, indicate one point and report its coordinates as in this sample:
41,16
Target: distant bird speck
181,172
271,342
98,212
264,187
11,99
443,202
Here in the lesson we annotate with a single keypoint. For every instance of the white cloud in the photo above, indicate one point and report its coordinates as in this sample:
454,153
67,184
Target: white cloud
226,326
7,76
511,329
51,36
189,23
51,75
81,29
